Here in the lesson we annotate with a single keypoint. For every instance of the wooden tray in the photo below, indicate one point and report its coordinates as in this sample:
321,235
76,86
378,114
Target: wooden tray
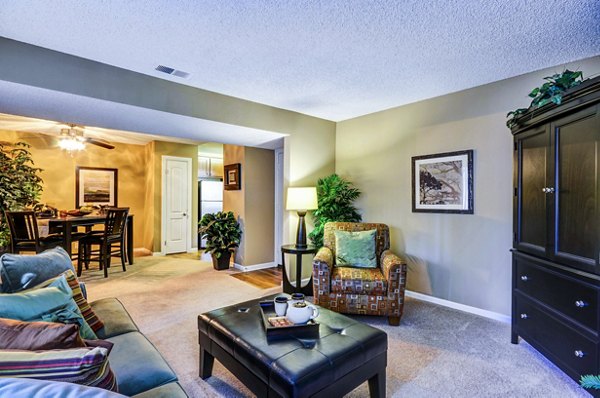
310,330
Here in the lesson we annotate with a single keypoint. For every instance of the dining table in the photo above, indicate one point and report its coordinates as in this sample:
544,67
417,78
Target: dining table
66,224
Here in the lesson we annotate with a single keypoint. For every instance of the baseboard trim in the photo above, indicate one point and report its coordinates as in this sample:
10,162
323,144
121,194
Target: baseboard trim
457,306
192,250
255,267
158,254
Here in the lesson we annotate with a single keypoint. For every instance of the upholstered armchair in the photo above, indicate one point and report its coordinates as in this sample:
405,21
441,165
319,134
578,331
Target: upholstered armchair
368,291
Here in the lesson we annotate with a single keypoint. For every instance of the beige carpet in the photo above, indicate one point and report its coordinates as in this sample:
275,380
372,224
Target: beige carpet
436,352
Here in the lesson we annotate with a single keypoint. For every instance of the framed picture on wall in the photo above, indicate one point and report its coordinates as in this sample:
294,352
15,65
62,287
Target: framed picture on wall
96,186
443,183
232,177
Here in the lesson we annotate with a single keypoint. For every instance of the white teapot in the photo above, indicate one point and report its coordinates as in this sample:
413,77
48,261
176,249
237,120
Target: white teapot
301,312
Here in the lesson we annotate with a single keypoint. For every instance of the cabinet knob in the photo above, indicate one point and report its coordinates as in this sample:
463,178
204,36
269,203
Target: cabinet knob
580,304
579,353
524,278
545,190
524,316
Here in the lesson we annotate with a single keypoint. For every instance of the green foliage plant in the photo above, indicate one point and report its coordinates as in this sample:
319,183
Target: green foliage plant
549,92
222,232
590,381
20,183
335,197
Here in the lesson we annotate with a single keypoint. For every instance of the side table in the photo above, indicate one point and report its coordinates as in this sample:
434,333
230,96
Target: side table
299,252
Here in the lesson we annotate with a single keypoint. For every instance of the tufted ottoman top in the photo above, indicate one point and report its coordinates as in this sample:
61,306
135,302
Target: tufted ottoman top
293,367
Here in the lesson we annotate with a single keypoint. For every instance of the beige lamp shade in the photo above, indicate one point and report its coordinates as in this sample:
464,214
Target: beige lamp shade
301,198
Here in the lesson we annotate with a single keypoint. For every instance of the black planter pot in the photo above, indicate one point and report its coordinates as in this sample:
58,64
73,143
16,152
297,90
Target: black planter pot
221,263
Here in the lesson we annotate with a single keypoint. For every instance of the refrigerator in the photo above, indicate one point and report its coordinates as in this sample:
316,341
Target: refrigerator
210,200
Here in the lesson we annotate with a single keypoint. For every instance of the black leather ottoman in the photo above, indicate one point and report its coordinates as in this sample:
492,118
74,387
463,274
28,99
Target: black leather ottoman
346,354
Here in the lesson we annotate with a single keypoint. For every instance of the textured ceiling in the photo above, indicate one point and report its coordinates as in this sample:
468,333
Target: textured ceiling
332,59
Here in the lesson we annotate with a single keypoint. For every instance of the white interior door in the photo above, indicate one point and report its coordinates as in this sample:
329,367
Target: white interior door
176,204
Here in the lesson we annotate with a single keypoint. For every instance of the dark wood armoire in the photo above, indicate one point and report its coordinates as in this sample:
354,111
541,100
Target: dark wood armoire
556,240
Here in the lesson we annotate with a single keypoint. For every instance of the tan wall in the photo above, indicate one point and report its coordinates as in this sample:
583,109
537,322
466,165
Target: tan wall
461,258
235,200
59,173
160,149
260,206
254,203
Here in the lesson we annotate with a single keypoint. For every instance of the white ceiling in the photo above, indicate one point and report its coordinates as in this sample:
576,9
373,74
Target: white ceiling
333,59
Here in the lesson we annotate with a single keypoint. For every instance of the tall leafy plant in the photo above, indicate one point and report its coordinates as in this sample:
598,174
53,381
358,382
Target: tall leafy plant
20,183
222,232
549,92
335,196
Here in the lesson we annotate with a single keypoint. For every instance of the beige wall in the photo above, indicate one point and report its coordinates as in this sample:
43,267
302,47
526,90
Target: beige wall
160,149
260,206
234,201
254,203
59,173
461,258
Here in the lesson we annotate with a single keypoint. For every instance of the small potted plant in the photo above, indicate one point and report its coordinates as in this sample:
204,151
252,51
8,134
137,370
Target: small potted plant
223,234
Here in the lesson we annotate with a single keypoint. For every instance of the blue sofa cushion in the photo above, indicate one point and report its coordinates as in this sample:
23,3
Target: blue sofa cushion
31,388
117,318
138,364
171,390
19,272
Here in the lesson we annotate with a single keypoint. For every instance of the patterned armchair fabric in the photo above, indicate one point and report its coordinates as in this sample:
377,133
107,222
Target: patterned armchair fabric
378,291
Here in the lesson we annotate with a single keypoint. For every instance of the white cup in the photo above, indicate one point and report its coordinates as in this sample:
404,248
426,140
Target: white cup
281,305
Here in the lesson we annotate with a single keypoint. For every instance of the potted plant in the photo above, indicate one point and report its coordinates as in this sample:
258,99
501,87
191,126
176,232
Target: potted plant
20,184
335,196
223,234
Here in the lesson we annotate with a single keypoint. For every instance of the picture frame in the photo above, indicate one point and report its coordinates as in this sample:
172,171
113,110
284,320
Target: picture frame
96,186
233,177
443,183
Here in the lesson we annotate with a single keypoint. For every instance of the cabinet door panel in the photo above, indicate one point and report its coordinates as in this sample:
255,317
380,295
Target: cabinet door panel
577,140
532,215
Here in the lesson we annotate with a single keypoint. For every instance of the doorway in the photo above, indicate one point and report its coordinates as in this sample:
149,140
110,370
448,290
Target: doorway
176,205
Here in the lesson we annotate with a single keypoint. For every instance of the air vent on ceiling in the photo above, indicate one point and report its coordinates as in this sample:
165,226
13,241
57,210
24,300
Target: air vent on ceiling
172,71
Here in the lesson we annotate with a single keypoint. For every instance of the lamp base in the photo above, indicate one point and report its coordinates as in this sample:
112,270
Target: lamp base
301,231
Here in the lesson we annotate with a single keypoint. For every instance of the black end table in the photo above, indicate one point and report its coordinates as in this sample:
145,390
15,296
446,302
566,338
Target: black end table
299,252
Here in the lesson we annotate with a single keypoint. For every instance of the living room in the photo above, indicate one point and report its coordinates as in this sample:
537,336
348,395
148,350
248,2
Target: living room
461,261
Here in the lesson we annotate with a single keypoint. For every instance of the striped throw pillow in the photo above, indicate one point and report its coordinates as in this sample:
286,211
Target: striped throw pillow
85,366
86,310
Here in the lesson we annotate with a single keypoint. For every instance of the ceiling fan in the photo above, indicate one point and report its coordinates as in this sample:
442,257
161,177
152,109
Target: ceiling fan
73,139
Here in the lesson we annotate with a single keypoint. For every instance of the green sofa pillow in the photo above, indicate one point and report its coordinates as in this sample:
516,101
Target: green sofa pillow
355,249
50,304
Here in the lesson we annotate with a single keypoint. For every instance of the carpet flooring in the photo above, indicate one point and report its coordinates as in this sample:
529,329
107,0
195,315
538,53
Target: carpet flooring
435,352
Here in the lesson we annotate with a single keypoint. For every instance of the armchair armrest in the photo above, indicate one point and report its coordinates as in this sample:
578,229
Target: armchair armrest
322,263
394,271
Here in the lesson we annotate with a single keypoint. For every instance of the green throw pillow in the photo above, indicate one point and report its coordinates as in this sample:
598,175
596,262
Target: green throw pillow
355,249
50,304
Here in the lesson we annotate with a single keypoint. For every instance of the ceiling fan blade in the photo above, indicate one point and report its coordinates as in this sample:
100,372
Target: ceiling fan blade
99,143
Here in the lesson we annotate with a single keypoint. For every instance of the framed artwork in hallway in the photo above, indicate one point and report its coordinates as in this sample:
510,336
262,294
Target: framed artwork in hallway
443,183
232,177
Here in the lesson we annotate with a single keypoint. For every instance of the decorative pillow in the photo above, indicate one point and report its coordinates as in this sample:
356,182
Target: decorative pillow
31,388
19,272
86,310
87,366
51,304
355,249
34,336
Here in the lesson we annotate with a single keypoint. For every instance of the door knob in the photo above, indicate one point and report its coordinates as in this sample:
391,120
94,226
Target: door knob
185,214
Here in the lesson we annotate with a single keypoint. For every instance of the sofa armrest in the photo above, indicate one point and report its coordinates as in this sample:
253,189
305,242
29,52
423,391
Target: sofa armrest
322,263
394,271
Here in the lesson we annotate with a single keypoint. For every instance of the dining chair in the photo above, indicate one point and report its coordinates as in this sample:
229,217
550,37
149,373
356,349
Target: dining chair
24,233
113,233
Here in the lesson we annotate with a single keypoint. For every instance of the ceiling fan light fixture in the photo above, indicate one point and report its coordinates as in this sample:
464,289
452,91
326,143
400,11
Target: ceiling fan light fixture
71,140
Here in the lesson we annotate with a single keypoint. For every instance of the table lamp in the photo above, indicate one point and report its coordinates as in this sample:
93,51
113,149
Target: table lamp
301,199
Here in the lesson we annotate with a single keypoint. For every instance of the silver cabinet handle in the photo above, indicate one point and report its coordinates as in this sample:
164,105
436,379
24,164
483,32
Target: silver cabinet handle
524,278
550,190
579,353
580,304
524,316
545,190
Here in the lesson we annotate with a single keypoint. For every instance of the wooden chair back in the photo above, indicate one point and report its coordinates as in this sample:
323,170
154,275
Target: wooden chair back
116,219
23,226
